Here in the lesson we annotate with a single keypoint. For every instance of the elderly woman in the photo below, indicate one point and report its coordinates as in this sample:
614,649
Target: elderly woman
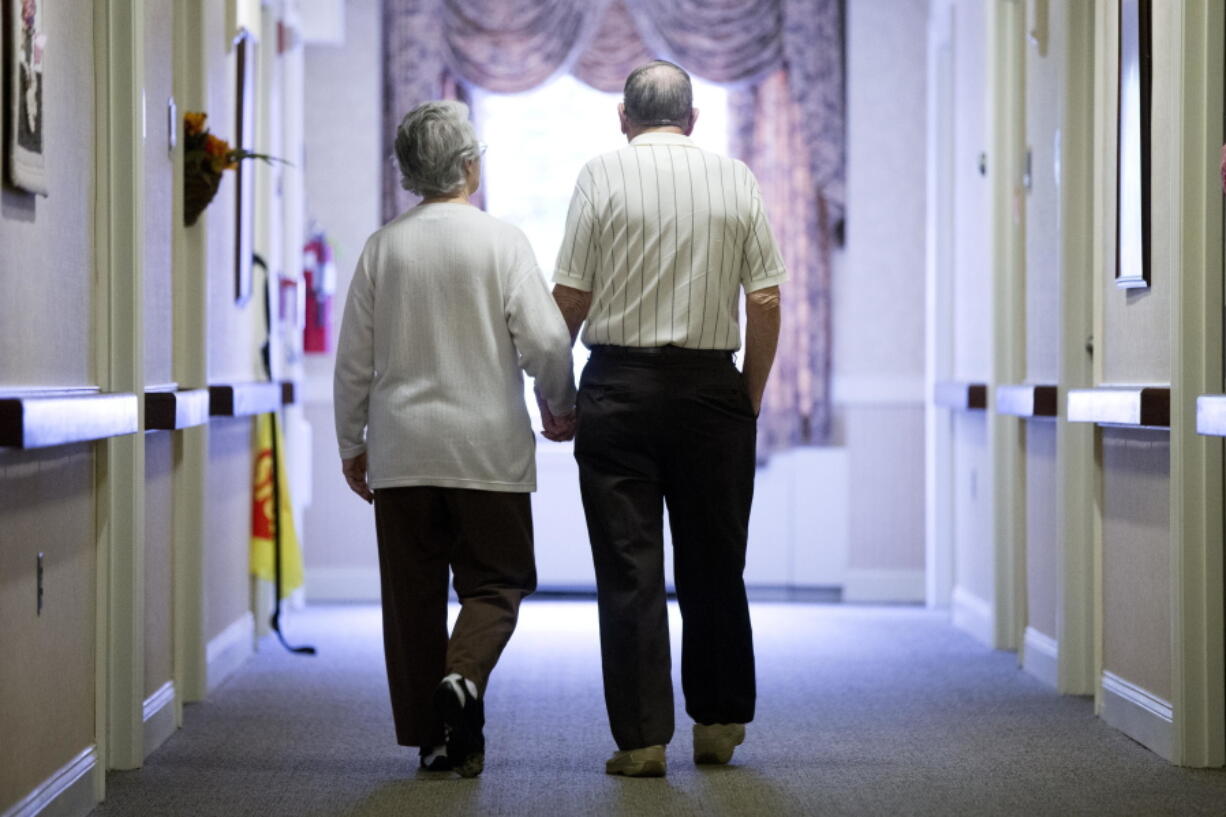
446,307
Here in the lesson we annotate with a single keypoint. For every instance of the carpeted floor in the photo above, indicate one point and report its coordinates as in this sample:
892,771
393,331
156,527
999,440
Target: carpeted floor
862,711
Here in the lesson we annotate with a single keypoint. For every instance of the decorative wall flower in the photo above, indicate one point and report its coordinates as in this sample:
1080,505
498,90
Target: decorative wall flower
205,158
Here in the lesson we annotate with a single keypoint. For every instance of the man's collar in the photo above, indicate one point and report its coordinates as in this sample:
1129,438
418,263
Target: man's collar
658,137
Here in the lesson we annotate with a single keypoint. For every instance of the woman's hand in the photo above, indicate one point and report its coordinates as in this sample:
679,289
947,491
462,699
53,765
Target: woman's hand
354,470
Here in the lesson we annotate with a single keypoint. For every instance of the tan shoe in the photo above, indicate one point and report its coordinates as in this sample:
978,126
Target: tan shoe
716,743
645,762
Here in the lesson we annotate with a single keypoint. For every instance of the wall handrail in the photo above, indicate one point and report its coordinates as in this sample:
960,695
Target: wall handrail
1032,400
244,399
961,396
40,419
1123,406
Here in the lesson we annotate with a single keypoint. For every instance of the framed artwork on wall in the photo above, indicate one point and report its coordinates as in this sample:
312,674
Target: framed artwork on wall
244,135
1132,213
26,120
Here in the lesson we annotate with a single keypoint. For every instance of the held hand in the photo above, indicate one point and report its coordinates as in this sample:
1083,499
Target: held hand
354,470
561,429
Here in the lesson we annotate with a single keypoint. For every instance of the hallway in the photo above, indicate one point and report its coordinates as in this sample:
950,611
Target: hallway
881,711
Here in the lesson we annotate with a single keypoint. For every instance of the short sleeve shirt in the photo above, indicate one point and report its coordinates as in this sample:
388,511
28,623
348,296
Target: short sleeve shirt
665,235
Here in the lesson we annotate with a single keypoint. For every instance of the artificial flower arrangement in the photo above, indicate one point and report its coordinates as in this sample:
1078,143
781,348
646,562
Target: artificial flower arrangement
205,158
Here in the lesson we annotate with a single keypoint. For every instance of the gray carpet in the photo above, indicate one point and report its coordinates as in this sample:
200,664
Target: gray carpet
862,711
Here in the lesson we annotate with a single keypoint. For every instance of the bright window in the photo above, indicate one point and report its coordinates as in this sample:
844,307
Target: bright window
540,140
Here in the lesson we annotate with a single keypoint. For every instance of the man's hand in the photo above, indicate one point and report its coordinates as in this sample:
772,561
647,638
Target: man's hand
558,428
354,470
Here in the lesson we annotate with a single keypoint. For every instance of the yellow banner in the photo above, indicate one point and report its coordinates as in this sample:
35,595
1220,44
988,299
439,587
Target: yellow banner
263,521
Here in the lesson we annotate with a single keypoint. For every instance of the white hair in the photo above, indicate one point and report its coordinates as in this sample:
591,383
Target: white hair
433,142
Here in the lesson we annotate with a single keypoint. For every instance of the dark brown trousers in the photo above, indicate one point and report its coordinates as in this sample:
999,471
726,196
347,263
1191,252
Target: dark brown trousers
485,538
673,427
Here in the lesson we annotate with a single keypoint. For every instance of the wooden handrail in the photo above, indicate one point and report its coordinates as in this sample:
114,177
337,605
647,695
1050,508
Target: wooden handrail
45,418
1128,406
961,396
244,399
176,408
1028,400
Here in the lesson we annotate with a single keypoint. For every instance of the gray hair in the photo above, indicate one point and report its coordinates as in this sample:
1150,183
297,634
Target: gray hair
433,142
658,93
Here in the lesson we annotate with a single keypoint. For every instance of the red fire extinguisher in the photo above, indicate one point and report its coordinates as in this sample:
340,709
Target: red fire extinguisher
320,278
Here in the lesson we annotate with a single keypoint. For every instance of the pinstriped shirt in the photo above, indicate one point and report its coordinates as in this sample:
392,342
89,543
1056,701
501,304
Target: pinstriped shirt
665,235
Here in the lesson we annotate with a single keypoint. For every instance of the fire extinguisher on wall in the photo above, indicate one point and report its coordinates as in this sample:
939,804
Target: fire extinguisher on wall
320,277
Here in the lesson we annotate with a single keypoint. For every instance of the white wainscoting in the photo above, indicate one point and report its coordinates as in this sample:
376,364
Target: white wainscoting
1139,714
159,717
1041,656
884,586
974,615
67,793
343,584
229,650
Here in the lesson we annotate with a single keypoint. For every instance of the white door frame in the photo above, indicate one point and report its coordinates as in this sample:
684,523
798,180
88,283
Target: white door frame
939,335
191,371
1075,469
1195,272
119,244
1007,130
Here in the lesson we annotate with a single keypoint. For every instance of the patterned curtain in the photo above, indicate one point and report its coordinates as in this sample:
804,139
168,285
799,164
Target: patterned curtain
782,58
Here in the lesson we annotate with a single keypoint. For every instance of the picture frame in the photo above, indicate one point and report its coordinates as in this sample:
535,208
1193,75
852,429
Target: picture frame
1132,257
26,119
244,183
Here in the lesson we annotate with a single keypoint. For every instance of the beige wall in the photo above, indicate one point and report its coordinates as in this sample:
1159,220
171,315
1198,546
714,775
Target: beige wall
235,332
972,261
47,504
344,123
1045,94
227,527
878,286
47,675
159,564
47,242
1136,558
973,548
1042,535
159,61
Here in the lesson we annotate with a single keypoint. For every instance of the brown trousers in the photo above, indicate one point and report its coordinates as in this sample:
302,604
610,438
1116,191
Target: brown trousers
485,538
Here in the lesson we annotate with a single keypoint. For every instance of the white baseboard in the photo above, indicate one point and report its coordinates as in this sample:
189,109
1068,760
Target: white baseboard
229,650
1041,657
342,584
159,717
1139,714
884,586
67,793
974,615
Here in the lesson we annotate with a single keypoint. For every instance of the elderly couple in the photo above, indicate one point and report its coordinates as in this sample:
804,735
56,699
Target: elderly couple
447,306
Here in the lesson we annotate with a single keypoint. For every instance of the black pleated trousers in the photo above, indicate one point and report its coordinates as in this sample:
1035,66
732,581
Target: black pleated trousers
484,539
668,426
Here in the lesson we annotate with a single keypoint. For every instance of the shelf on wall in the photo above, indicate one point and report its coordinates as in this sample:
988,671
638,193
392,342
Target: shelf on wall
1128,406
961,396
176,408
244,399
1034,400
42,419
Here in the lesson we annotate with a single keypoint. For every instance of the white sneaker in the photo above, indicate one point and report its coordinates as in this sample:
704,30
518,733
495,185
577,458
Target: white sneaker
646,762
715,743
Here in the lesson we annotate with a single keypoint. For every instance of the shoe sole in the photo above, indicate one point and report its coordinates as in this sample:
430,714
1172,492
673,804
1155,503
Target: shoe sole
465,746
644,768
716,752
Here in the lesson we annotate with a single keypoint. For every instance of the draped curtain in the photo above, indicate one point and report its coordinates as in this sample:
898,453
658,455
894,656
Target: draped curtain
783,60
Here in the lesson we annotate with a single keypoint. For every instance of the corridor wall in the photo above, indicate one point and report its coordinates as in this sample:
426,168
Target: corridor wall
47,329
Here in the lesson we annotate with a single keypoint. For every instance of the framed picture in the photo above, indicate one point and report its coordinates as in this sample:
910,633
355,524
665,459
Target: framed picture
244,137
1132,263
26,49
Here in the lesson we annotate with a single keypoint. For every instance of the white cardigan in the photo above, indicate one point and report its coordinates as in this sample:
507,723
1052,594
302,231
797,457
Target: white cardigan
447,305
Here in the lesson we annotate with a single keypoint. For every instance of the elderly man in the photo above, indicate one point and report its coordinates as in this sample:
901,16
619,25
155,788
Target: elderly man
661,238
446,311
